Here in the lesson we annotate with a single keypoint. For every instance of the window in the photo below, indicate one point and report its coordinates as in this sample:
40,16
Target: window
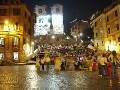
118,39
1,56
110,41
15,41
41,20
116,13
95,24
16,26
97,45
57,10
102,43
3,12
39,11
25,15
15,56
1,26
16,11
117,26
108,32
96,34
107,19
2,42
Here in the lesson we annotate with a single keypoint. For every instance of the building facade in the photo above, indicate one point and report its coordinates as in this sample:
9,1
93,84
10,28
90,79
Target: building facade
46,20
15,31
78,26
42,25
106,25
57,19
78,29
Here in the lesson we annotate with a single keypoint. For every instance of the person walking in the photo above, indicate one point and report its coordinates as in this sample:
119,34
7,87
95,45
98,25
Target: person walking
58,63
63,65
94,65
109,69
99,56
42,61
37,63
114,60
47,61
103,64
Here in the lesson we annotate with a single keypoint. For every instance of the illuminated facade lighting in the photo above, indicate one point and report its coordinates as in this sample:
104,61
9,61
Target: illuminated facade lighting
45,21
57,19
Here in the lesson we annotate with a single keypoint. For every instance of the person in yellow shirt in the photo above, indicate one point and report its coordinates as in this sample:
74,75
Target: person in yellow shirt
37,62
58,63
47,61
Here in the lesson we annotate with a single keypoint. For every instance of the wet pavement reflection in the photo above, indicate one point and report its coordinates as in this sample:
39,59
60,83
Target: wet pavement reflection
28,78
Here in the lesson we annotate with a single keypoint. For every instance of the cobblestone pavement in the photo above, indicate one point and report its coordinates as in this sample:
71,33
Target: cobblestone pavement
27,78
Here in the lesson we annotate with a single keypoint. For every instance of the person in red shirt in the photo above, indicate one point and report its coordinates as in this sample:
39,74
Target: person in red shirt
94,65
109,69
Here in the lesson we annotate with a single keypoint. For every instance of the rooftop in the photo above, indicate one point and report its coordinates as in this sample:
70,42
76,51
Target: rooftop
105,10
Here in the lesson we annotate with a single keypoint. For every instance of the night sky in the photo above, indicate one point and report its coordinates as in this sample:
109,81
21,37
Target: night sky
81,9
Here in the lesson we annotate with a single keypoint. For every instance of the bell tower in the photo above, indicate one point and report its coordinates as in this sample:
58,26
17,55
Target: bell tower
57,19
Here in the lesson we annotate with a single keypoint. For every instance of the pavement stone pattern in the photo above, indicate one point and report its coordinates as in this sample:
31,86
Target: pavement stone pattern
26,77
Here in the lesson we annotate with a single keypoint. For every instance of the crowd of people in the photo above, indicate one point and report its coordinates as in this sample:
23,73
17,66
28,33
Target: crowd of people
105,63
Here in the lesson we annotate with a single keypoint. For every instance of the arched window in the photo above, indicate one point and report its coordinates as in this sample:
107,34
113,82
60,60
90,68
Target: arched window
57,10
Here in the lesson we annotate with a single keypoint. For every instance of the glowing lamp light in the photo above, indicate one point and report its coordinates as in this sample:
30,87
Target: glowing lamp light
81,34
81,41
32,43
27,50
88,37
53,37
67,38
75,36
6,22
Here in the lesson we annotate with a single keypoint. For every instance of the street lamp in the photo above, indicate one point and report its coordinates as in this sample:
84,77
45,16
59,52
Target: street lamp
67,38
75,36
53,37
81,34
88,37
6,22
